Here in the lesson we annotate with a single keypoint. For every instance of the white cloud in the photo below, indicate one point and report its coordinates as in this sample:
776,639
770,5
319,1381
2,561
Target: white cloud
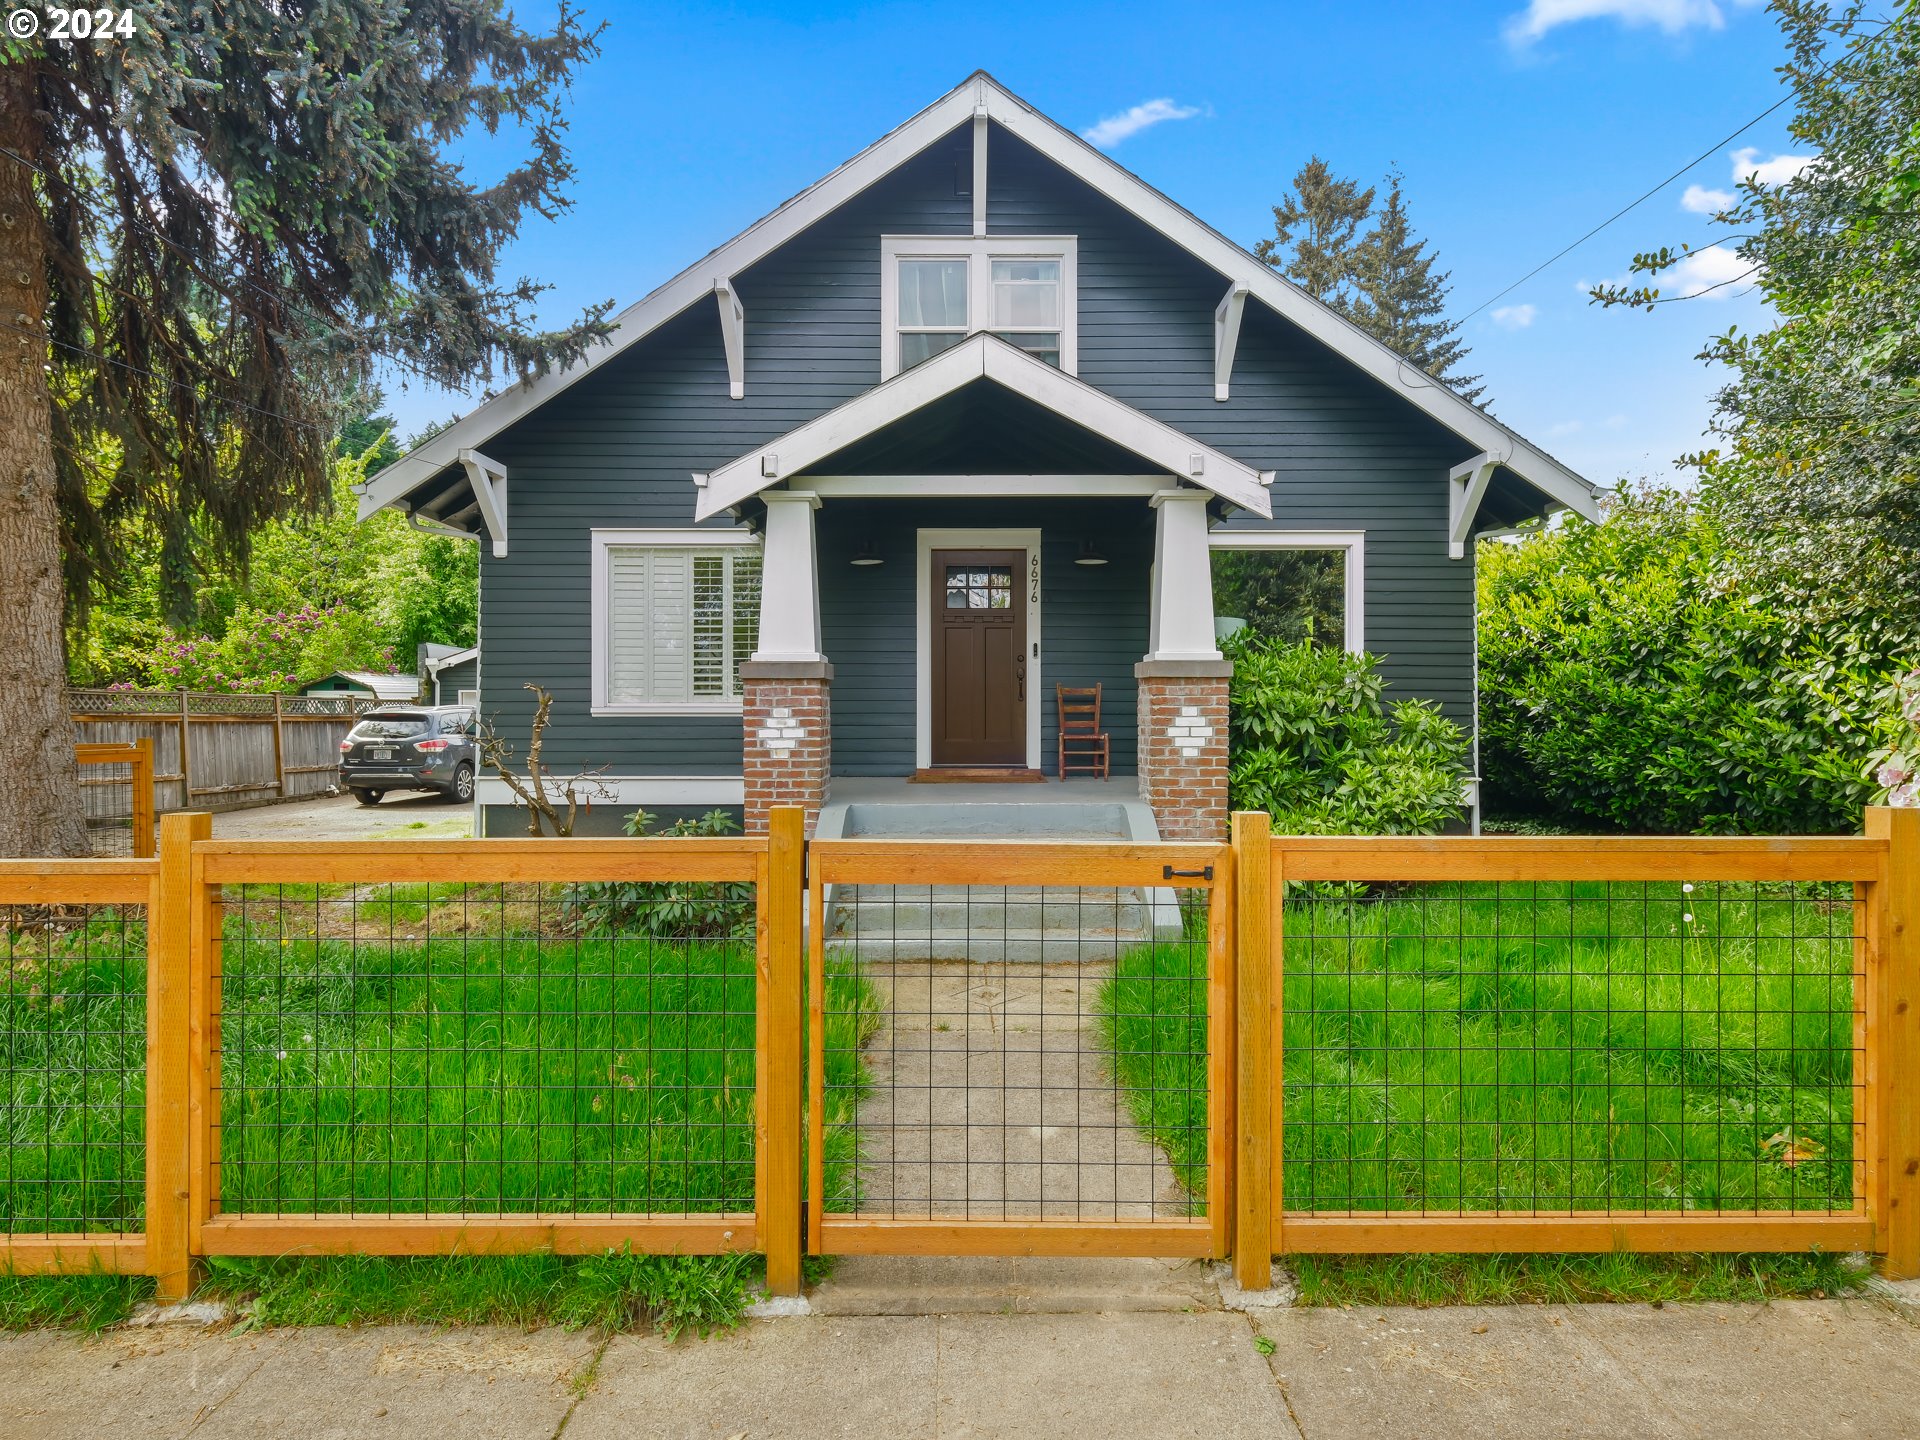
1714,272
1702,201
1514,317
1115,128
1670,16
1777,171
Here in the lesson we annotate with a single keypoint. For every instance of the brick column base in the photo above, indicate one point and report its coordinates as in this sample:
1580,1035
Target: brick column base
1183,746
788,750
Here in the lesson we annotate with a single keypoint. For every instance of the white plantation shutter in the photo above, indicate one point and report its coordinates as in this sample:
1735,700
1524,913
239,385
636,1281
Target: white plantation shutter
679,621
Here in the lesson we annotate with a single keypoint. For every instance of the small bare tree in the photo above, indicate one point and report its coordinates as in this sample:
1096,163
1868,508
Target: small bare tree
535,789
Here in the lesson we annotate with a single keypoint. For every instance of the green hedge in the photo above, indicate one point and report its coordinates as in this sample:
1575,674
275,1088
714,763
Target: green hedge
1641,674
1314,743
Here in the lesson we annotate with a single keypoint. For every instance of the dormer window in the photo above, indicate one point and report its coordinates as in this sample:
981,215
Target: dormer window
937,290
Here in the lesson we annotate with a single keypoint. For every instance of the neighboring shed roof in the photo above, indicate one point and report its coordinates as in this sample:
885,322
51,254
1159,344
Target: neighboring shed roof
380,686
982,95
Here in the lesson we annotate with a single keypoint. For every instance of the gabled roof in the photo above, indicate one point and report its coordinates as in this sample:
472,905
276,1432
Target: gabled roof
975,359
981,94
383,686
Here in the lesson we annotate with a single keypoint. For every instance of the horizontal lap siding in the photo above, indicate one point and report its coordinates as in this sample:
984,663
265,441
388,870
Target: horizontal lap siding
618,448
1093,625
1348,454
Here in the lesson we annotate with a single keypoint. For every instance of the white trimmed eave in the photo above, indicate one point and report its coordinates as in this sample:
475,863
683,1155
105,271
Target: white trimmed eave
981,96
975,358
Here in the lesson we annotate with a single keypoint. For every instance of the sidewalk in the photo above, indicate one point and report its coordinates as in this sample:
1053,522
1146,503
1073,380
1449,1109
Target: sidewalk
1811,1368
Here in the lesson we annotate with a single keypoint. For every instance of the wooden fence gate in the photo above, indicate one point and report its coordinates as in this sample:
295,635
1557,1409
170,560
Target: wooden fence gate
982,1019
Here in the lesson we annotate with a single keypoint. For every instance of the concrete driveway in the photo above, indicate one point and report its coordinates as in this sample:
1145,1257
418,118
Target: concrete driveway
401,816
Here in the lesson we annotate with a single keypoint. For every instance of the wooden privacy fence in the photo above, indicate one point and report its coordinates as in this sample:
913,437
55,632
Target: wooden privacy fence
217,750
1278,1045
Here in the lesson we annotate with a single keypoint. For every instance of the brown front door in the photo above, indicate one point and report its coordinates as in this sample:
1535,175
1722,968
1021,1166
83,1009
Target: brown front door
979,657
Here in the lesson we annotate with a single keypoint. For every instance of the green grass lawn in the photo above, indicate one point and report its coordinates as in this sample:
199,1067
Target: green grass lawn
412,1050
1552,1047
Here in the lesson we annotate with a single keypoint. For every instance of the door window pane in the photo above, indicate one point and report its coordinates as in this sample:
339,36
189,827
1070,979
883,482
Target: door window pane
1284,596
933,293
971,588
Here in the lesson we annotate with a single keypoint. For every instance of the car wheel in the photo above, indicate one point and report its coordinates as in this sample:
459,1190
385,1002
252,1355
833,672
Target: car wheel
368,797
462,790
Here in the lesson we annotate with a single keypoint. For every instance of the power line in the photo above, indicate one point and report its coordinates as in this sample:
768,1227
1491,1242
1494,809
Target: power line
1625,209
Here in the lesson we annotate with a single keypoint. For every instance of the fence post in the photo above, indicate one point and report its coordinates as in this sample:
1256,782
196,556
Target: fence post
1255,931
1894,1071
143,836
777,1205
170,947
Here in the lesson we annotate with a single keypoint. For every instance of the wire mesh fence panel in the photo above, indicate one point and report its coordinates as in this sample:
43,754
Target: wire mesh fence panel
106,789
486,1048
73,1033
1014,1051
1572,1046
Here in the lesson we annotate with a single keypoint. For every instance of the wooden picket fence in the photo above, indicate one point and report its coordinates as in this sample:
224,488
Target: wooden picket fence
232,1164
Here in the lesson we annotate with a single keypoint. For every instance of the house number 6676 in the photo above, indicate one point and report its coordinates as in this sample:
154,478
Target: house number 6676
1033,578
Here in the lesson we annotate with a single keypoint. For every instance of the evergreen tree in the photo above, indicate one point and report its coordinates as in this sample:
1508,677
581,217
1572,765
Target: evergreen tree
1314,230
1401,301
210,231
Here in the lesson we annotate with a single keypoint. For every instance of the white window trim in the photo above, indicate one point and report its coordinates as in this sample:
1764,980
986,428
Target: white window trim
601,542
925,543
978,252
1354,542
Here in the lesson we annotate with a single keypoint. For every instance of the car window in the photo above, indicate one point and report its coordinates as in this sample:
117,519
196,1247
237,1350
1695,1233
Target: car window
390,727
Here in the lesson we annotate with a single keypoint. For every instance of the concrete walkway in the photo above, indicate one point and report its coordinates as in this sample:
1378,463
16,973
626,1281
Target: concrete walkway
991,1096
1807,1368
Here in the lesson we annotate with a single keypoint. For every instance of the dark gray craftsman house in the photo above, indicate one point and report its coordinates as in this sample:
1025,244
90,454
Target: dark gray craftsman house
976,415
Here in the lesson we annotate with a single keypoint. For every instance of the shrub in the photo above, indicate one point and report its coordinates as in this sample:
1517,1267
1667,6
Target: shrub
1315,745
1894,769
1643,674
668,909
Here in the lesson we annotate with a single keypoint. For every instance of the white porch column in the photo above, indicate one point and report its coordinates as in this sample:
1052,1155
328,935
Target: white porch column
789,580
1182,615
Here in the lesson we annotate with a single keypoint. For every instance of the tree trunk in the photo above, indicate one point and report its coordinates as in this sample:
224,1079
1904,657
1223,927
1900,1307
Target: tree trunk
40,805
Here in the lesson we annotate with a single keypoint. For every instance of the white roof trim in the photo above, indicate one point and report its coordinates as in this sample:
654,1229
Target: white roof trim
458,657
981,94
975,358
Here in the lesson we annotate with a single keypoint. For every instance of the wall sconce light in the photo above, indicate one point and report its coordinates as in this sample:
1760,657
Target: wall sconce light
1089,554
867,555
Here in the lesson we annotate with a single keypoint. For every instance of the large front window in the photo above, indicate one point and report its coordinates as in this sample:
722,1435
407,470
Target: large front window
937,291
673,622
1285,587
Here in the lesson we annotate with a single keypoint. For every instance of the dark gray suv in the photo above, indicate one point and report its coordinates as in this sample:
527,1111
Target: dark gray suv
417,748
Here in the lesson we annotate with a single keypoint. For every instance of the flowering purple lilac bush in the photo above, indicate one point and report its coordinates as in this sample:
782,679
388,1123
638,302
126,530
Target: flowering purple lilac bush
266,651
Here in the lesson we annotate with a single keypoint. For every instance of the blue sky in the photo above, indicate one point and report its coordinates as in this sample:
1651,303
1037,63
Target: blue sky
1518,125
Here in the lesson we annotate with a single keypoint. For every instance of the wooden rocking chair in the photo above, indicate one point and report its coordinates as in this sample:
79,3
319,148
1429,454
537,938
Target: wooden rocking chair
1084,746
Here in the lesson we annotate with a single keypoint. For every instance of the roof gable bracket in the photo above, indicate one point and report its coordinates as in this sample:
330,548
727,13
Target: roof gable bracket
489,481
1226,336
733,335
1466,486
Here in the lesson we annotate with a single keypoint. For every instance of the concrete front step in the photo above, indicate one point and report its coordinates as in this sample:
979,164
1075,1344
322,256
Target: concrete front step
1014,923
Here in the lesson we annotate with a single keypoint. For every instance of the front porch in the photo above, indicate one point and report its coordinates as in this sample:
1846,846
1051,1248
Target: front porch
942,554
